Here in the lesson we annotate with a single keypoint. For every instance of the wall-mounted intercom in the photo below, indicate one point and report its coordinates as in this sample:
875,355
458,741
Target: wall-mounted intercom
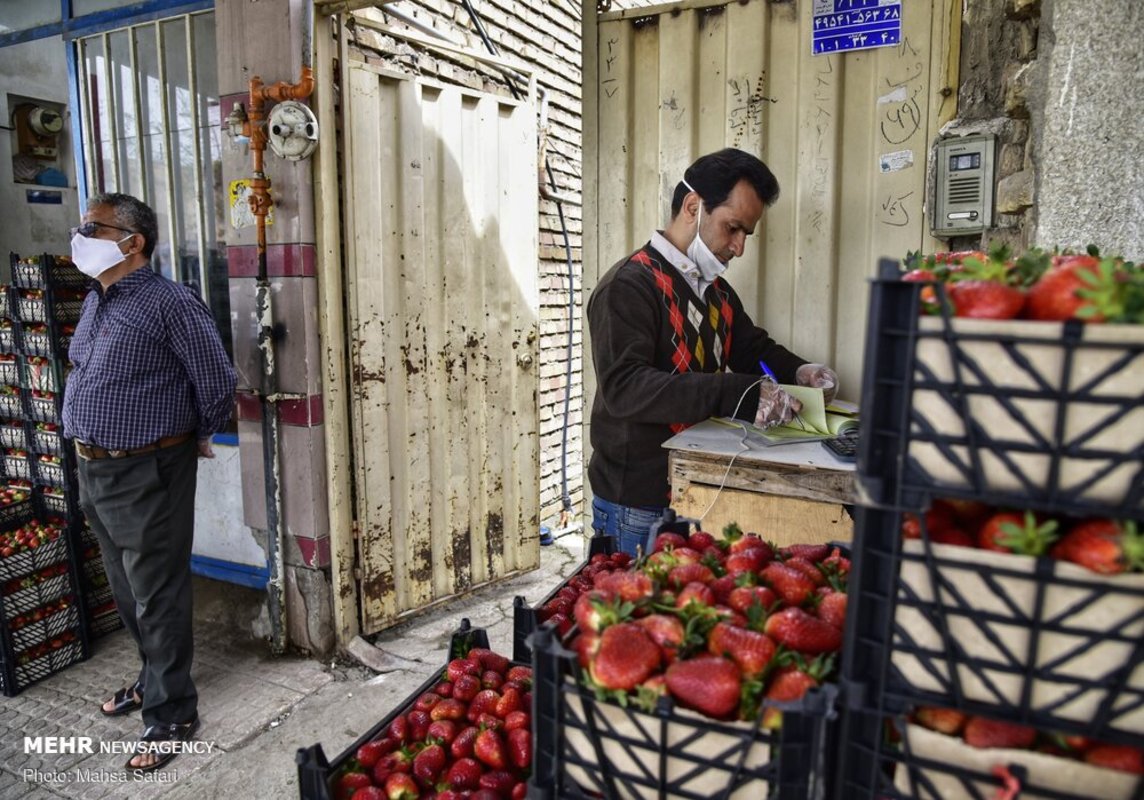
963,185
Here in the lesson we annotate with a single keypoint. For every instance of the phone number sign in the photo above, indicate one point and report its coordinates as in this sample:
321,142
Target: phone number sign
841,25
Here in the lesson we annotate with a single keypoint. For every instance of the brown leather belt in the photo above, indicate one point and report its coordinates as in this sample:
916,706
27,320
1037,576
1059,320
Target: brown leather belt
90,452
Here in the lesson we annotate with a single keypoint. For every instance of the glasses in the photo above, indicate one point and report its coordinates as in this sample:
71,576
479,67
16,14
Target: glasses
88,228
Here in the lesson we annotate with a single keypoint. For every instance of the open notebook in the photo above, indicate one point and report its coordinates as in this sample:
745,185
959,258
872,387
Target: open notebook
813,422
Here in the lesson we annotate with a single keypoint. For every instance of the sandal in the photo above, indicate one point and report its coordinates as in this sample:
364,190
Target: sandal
162,741
123,701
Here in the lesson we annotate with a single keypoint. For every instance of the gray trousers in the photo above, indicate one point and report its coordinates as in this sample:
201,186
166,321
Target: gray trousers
142,510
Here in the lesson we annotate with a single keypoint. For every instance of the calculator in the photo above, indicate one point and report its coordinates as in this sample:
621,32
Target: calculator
844,446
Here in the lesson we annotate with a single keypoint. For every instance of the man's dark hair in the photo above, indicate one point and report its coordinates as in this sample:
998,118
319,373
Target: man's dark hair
714,175
132,214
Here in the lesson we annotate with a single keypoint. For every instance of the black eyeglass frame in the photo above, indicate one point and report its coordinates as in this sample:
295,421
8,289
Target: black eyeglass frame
88,228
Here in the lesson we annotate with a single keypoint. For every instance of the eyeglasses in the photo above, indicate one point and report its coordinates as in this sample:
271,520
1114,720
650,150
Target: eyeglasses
88,228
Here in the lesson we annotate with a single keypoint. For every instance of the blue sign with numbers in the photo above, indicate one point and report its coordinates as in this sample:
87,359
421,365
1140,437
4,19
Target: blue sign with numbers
841,25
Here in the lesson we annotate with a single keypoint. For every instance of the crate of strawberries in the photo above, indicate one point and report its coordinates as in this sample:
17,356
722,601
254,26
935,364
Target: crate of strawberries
703,671
32,546
466,732
1007,380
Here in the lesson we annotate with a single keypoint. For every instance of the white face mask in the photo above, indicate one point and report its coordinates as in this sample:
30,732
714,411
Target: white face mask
710,267
93,257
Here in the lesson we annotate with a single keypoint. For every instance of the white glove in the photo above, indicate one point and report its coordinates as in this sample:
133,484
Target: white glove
775,406
818,376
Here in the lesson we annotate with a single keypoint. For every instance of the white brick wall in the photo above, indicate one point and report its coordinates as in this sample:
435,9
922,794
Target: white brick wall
546,35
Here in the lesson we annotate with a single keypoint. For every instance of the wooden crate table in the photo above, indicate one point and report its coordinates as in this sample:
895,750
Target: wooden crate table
786,493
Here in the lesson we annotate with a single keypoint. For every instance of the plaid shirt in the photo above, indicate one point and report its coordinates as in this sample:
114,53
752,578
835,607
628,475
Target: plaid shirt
148,363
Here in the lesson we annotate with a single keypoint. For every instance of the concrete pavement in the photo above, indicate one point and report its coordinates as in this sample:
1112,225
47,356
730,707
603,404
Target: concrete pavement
256,710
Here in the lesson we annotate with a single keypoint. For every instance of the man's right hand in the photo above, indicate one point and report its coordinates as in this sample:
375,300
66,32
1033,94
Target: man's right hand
775,406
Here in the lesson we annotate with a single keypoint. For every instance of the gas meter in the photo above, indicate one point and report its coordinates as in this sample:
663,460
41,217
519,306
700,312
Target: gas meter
963,185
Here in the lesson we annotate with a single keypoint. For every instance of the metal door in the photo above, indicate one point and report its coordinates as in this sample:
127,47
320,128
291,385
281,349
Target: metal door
442,320
847,135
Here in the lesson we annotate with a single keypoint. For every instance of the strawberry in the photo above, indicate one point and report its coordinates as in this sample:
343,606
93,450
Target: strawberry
402,786
449,708
707,684
668,540
1116,756
1009,532
399,728
586,645
484,703
986,299
443,730
803,633
630,587
443,689
1057,295
509,702
464,774
808,569
788,685
350,782
597,610
490,660
832,609
666,631
519,672
949,721
462,744
695,592
517,719
429,763
500,781
1103,545
983,732
809,552
466,687
489,749
520,747
627,656
689,573
462,666
427,700
722,588
370,752
561,622
745,597
751,651
418,724
700,541
790,584
369,793
490,679
752,559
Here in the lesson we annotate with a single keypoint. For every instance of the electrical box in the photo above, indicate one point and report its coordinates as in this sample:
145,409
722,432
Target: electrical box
38,130
963,185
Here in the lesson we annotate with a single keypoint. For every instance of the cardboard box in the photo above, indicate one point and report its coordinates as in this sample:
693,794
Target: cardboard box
1063,634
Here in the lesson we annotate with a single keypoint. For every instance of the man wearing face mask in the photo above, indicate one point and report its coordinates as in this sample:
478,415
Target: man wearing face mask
673,346
150,384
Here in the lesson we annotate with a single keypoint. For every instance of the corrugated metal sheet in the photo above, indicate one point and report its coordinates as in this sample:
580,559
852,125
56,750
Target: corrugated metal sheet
675,82
443,326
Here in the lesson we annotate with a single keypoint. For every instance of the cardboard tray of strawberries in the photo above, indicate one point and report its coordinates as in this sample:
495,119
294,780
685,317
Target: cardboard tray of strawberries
465,729
1021,412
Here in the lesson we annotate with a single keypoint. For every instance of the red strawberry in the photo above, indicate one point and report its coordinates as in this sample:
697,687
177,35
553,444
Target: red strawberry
751,651
429,763
370,752
402,786
629,586
803,633
444,689
490,660
700,541
707,684
489,749
1055,295
722,588
832,609
427,700
517,719
586,645
752,559
620,559
788,685
808,569
627,656
418,724
490,679
484,703
509,702
1117,756
744,597
462,666
983,732
595,611
748,541
809,552
520,747
666,631
462,744
790,584
399,728
689,573
1103,545
443,730
449,708
562,623
464,774
984,299
695,592
350,782
953,536
1010,532
836,564
668,539
499,781
519,672
949,721
369,793
466,687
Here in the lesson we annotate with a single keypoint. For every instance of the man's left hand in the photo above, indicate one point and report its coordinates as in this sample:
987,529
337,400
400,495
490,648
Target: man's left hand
205,450
818,376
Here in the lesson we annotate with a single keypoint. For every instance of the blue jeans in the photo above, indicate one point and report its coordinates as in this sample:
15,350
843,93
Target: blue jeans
629,524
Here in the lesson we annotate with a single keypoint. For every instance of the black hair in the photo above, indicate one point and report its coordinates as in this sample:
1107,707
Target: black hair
133,214
714,175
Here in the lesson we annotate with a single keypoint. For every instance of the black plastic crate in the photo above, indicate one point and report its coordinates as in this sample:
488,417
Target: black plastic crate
14,514
43,406
39,591
317,774
587,748
1011,412
54,469
28,630
41,373
670,522
525,619
1035,641
9,370
47,339
58,501
13,434
61,305
45,438
919,764
17,464
11,403
26,562
46,271
9,341
103,624
17,676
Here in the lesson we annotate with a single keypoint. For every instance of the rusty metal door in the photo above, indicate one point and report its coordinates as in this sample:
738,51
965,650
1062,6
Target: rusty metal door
442,318
846,134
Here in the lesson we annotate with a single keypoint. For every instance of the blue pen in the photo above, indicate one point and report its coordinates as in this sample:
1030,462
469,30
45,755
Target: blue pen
767,371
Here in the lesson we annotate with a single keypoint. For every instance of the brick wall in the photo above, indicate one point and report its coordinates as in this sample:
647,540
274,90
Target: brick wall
545,34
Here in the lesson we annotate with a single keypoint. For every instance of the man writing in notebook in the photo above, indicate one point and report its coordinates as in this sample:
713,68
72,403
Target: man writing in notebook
673,346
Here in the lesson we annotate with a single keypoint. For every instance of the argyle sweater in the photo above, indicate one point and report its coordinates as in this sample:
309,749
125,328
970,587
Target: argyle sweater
666,359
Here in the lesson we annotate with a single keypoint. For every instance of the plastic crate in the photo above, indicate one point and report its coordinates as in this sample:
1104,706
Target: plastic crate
46,441
43,630
1011,412
11,404
43,305
53,473
58,501
40,373
13,435
40,593
8,341
588,748
103,624
24,675
525,619
44,271
45,408
1032,640
9,371
45,339
17,466
316,774
28,561
926,765
13,515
